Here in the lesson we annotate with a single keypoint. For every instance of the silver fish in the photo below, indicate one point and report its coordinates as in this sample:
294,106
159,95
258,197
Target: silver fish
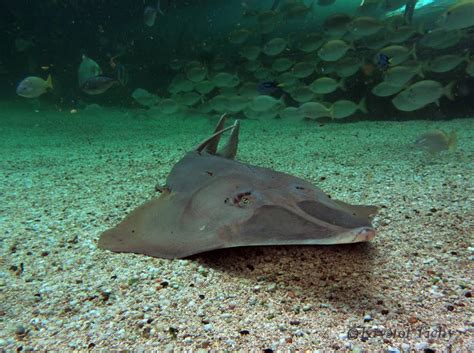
33,86
98,84
149,15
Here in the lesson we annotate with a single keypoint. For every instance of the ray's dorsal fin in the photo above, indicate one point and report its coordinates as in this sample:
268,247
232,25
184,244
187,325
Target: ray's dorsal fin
230,148
212,146
206,142
211,143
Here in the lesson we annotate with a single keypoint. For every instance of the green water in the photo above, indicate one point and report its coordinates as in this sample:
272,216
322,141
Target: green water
74,164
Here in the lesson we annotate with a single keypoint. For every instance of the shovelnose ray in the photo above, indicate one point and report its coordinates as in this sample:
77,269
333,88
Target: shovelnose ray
211,201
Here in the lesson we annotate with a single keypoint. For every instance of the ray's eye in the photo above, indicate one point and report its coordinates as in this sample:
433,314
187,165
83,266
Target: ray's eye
242,199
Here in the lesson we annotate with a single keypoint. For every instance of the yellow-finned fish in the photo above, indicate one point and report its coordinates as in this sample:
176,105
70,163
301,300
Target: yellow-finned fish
33,86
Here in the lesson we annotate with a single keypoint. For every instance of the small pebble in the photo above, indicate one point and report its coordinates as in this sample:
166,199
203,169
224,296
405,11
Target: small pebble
208,327
299,333
20,330
421,345
271,287
343,336
230,342
203,271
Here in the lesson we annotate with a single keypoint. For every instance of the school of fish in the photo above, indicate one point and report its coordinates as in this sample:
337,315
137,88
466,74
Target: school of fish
403,54
407,57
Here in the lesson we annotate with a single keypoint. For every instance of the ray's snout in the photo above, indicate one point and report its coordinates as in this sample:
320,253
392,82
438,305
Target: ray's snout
365,234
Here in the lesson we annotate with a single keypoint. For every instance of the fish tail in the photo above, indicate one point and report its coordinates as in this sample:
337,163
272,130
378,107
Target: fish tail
448,90
453,138
158,7
352,45
331,112
49,82
421,29
419,71
122,75
342,84
413,52
467,57
362,106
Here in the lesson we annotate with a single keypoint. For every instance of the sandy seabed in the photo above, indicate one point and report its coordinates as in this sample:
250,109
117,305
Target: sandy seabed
68,177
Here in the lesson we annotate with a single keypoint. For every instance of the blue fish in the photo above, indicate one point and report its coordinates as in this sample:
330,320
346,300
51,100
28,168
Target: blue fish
269,87
383,62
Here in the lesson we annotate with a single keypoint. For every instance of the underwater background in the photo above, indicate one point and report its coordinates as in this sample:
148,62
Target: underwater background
373,101
48,37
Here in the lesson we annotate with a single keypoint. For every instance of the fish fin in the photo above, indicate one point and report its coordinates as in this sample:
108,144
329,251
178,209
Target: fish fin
453,138
448,90
342,84
213,144
49,82
421,29
413,52
352,45
362,106
212,138
122,75
230,149
331,112
281,101
158,7
467,57
420,71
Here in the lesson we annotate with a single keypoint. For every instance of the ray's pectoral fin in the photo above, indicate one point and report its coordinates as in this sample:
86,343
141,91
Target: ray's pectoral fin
147,230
